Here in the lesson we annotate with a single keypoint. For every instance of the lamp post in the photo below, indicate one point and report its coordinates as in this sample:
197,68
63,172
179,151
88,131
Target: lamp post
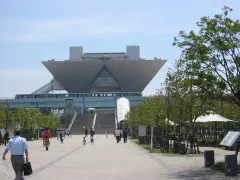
152,138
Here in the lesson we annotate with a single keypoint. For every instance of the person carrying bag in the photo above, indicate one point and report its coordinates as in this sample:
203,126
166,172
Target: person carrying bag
18,146
27,168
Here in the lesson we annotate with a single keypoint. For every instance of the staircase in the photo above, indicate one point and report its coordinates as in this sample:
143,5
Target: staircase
82,120
106,121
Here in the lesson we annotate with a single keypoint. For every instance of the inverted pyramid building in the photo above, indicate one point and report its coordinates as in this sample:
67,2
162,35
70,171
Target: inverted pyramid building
103,72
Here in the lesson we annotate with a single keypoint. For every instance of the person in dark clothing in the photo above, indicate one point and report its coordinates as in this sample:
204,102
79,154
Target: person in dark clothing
125,132
237,146
61,137
0,138
121,134
84,140
6,137
92,132
86,132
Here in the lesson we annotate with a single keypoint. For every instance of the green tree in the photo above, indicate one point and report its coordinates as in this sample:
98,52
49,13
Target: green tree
215,49
186,99
3,117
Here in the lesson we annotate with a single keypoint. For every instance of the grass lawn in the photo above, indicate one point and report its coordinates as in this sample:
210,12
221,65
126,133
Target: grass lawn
157,151
220,166
148,148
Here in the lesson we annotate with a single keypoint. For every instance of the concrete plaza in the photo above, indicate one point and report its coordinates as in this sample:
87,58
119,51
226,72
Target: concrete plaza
107,160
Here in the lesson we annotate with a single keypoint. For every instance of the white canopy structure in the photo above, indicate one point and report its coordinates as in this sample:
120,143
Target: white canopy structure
213,118
123,107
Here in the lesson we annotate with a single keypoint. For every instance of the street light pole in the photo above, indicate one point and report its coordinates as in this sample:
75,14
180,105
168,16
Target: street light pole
152,138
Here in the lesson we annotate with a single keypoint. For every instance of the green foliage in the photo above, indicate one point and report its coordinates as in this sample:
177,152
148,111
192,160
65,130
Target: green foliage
27,118
150,112
3,117
213,52
62,120
185,99
205,78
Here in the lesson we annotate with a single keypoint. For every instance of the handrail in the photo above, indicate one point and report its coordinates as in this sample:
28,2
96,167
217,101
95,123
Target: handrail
44,89
94,120
72,121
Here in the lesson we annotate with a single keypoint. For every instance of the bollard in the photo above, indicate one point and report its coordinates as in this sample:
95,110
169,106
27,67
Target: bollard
166,144
141,140
230,165
209,158
182,148
175,147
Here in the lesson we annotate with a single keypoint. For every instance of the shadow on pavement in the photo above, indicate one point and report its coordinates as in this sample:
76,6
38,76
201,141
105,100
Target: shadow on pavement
206,174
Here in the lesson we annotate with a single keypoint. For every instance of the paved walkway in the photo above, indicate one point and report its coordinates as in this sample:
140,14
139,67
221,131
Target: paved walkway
106,160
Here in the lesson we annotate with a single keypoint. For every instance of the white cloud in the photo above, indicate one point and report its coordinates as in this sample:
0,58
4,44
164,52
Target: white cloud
94,27
81,27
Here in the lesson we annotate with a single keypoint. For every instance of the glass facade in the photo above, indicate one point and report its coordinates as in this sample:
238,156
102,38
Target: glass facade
105,81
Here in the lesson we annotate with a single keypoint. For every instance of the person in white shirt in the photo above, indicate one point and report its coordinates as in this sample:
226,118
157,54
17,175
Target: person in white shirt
18,147
121,134
106,132
118,132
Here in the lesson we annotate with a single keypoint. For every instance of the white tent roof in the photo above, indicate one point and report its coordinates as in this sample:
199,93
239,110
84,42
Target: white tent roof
213,118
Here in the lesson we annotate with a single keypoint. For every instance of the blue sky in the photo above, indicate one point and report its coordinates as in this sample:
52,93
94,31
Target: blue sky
39,30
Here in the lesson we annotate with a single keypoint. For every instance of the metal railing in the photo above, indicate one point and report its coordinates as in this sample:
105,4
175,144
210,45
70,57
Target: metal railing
94,121
72,121
44,89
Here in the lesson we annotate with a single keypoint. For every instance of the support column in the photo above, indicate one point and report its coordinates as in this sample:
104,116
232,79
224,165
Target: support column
68,111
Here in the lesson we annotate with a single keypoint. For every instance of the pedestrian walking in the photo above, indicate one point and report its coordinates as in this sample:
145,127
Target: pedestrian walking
58,134
92,140
121,134
92,133
47,135
18,147
86,132
61,137
125,133
84,140
114,133
118,135
68,133
1,138
65,132
6,137
42,136
106,133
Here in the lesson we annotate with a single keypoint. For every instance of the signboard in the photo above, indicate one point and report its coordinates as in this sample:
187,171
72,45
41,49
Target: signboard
141,130
230,138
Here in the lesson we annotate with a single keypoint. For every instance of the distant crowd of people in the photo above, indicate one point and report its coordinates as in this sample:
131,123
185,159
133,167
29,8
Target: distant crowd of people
4,137
119,134
18,145
92,133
